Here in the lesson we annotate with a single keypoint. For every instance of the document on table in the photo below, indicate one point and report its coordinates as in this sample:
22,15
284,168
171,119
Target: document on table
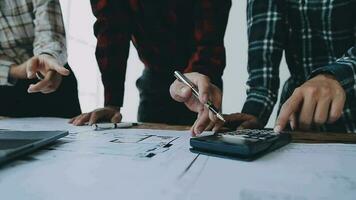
157,164
41,124
296,171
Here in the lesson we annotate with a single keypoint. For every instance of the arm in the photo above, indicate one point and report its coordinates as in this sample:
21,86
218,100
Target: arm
266,34
49,30
211,18
112,30
321,99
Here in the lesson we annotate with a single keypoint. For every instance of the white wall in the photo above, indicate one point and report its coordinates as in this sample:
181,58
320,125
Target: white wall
81,47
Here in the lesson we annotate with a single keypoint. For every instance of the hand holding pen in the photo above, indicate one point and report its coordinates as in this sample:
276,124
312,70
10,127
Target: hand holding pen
200,96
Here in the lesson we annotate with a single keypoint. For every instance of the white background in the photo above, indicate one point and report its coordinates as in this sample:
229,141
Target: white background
79,21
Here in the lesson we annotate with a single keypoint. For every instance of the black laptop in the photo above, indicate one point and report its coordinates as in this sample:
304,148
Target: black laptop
14,144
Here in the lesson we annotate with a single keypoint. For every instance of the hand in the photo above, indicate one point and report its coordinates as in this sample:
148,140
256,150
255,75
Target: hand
207,91
239,121
103,114
318,101
47,66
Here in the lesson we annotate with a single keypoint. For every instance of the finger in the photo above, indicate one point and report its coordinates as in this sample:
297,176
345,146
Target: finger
322,111
293,121
116,118
218,125
194,104
202,121
47,91
217,101
203,85
32,66
95,116
210,126
72,120
62,70
44,84
82,119
180,92
52,64
192,129
289,107
249,125
307,112
336,109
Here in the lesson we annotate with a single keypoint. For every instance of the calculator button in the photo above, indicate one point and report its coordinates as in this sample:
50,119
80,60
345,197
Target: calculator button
269,136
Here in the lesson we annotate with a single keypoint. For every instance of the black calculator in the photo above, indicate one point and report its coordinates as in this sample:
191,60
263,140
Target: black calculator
245,144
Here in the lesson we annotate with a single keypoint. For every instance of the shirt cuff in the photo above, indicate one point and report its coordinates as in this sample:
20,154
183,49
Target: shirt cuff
5,79
260,104
114,95
113,99
343,73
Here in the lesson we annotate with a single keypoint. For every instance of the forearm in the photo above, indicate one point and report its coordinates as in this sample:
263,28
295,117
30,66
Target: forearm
266,37
112,30
49,30
260,102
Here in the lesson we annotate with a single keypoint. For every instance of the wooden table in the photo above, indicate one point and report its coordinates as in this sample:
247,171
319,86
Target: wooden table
297,137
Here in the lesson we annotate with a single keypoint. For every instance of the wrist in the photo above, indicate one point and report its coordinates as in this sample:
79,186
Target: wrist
326,76
17,72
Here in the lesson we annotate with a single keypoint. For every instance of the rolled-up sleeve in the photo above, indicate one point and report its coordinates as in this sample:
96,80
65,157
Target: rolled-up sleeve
49,30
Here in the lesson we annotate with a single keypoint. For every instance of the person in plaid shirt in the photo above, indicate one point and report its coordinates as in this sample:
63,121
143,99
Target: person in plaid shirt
169,35
319,42
32,41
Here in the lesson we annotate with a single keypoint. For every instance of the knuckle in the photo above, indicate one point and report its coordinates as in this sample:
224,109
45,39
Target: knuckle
319,120
311,90
325,92
203,78
286,106
297,91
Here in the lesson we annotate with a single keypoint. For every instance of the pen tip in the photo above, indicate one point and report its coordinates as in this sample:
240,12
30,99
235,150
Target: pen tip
221,117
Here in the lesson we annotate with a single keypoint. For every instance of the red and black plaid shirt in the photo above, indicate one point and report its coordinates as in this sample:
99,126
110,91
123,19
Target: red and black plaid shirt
185,35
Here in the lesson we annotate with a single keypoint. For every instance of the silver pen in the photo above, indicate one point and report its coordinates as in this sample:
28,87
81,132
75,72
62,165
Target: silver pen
195,91
39,76
104,126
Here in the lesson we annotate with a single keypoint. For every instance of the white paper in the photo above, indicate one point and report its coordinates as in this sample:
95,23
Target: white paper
113,164
297,171
41,124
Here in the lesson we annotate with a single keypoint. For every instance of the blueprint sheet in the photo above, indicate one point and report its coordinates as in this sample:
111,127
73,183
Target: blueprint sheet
157,164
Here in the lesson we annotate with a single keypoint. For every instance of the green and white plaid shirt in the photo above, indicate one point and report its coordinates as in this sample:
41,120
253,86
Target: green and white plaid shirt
317,36
28,28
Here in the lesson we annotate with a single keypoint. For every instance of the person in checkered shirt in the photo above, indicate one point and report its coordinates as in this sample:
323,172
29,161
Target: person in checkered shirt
319,42
32,47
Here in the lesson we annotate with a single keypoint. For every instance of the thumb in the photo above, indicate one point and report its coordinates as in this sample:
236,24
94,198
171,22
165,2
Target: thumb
32,66
180,92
